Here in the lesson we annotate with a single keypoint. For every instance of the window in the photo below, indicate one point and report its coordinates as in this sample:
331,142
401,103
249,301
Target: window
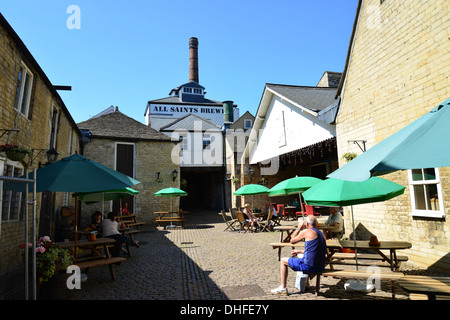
183,144
193,90
248,123
206,141
54,128
23,90
426,193
12,200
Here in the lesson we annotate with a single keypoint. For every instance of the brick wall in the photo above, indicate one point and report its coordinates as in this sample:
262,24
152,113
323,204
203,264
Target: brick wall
398,71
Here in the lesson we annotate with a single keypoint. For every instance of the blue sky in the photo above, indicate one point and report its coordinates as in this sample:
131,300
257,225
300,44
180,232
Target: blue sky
129,52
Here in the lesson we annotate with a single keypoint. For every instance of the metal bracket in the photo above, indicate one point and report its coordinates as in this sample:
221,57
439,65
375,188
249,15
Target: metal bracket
8,130
363,149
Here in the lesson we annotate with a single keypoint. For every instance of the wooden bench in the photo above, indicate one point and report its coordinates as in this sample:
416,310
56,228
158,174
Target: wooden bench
168,219
431,286
101,262
360,274
131,228
134,224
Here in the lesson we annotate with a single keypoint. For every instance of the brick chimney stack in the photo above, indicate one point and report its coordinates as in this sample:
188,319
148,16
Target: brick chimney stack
193,59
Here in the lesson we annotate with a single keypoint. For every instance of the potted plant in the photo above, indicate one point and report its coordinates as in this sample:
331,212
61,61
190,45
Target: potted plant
349,156
49,259
235,180
14,152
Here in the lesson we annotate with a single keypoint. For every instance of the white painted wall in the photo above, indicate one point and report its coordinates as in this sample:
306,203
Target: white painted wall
287,128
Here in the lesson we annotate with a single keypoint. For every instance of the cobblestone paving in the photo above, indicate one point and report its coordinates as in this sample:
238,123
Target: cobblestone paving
204,262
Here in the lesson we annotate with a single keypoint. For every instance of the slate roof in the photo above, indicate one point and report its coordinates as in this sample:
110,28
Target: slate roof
313,98
188,123
176,100
118,125
187,97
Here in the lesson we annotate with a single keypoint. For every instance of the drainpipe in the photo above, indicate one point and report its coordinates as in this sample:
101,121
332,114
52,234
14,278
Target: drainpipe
228,117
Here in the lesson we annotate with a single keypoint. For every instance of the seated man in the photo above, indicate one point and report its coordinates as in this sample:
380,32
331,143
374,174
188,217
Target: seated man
313,259
335,219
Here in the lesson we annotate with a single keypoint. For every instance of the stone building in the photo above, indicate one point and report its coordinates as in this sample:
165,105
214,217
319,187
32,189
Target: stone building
199,122
129,146
32,116
397,70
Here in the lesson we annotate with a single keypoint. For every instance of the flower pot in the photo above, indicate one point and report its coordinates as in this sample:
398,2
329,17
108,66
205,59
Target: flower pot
56,288
15,155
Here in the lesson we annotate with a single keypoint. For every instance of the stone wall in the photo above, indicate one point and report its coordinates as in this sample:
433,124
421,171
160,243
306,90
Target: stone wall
33,133
398,71
150,157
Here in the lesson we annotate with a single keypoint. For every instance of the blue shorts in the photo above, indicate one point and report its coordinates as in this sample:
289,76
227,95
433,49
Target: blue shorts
297,264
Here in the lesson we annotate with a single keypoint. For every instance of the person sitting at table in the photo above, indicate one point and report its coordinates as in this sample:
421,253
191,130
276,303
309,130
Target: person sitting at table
96,221
124,210
296,203
272,208
335,220
250,217
109,229
313,259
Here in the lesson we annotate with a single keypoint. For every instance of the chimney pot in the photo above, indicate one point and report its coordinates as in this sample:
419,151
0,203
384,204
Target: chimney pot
193,59
228,112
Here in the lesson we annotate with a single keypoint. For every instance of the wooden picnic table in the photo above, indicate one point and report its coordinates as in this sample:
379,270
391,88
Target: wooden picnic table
291,210
290,229
285,229
166,216
95,258
392,246
431,286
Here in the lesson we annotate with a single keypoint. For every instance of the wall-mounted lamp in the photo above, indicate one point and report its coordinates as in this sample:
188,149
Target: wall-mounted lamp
52,155
174,174
252,172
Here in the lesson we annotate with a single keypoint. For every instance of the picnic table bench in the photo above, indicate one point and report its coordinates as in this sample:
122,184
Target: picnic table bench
170,219
361,274
107,261
431,286
96,258
131,227
166,216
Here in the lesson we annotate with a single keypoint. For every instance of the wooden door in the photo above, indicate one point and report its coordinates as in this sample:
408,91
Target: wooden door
125,165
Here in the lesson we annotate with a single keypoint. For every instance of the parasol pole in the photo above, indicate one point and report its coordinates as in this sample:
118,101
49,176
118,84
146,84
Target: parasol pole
33,235
301,204
76,226
354,237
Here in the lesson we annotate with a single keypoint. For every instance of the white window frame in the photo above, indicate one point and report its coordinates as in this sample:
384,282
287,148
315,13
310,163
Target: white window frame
20,94
428,213
10,194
